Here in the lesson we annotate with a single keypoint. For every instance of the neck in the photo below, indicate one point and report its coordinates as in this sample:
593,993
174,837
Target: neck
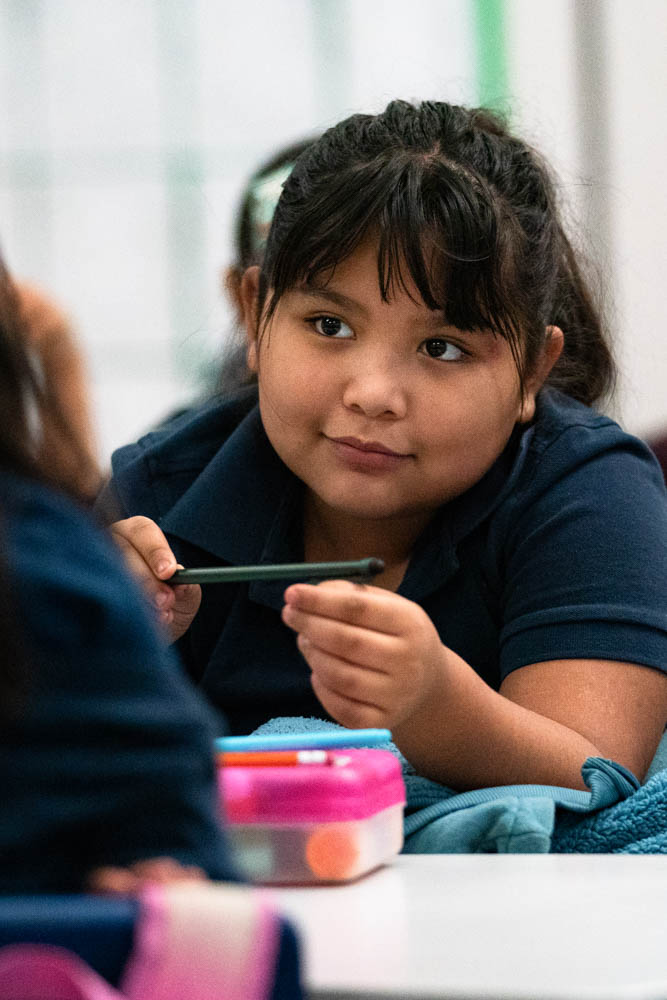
330,535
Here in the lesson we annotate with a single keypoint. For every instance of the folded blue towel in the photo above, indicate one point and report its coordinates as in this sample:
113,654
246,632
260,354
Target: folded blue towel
616,815
636,825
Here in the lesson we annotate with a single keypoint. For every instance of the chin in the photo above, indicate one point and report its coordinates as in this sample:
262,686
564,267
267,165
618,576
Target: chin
364,507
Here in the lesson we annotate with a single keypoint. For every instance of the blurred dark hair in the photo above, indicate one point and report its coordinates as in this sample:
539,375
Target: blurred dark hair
467,209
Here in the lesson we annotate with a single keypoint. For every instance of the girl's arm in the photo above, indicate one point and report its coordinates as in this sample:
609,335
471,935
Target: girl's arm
541,726
377,660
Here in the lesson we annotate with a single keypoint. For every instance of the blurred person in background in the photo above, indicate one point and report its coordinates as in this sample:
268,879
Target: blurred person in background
228,372
251,229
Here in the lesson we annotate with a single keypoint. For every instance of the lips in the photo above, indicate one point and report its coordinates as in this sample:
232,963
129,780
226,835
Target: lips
368,446
367,457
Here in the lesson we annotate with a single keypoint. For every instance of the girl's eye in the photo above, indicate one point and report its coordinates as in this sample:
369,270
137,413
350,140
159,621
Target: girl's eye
443,350
331,326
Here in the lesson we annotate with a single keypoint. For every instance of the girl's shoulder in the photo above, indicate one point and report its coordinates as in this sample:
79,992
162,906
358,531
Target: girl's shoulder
172,456
150,476
557,413
189,439
573,456
567,434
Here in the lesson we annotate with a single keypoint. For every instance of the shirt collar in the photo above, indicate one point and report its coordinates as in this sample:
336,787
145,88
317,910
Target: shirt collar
435,559
239,506
245,508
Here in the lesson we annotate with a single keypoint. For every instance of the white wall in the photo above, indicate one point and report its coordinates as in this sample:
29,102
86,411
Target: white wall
638,85
609,146
127,128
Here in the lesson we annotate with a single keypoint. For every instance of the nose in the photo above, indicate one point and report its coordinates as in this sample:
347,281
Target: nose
376,391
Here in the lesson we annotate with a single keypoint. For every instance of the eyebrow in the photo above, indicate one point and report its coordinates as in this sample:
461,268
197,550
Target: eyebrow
337,298
436,317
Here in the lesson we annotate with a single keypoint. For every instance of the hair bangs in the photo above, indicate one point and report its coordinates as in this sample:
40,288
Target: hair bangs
441,230
436,230
339,216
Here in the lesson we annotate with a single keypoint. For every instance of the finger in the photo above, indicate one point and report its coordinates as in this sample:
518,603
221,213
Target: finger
187,599
363,646
146,538
145,549
110,879
348,680
166,870
353,714
357,604
160,594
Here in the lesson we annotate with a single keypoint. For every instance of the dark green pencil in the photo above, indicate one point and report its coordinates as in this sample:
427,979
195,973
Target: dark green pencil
361,569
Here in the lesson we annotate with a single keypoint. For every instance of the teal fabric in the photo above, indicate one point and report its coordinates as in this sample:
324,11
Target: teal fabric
659,762
506,819
615,815
636,825
508,825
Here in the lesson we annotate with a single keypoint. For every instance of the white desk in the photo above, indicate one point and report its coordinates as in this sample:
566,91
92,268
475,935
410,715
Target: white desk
568,927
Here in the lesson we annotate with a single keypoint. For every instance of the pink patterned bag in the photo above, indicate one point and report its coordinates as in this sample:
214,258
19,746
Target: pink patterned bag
194,940
45,972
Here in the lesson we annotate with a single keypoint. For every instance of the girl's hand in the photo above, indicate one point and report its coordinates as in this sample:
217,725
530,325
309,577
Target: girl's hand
150,559
376,658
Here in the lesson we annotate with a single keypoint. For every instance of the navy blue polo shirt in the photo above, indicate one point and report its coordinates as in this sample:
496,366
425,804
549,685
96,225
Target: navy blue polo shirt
109,759
559,551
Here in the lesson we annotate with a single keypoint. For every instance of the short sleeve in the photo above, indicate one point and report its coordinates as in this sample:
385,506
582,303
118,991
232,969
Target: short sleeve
585,550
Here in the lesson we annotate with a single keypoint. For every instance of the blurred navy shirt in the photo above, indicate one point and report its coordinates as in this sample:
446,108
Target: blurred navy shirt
110,759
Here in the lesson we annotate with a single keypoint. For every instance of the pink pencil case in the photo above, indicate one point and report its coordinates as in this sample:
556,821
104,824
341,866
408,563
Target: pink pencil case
315,823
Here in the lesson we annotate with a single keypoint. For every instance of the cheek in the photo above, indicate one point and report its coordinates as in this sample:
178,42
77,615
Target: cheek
292,393
497,392
472,420
289,372
480,396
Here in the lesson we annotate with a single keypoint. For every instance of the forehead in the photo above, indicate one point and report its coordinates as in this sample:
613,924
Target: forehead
362,276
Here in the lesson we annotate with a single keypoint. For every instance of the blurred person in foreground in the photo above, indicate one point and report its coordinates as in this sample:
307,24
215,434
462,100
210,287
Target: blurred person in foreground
106,772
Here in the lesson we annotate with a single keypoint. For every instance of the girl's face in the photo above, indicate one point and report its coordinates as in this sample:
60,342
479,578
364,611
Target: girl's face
379,407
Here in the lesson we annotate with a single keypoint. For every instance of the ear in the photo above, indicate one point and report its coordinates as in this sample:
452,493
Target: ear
249,296
231,286
551,351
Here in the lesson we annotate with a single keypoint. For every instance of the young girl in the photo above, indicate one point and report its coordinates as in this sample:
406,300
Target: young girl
427,354
106,770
